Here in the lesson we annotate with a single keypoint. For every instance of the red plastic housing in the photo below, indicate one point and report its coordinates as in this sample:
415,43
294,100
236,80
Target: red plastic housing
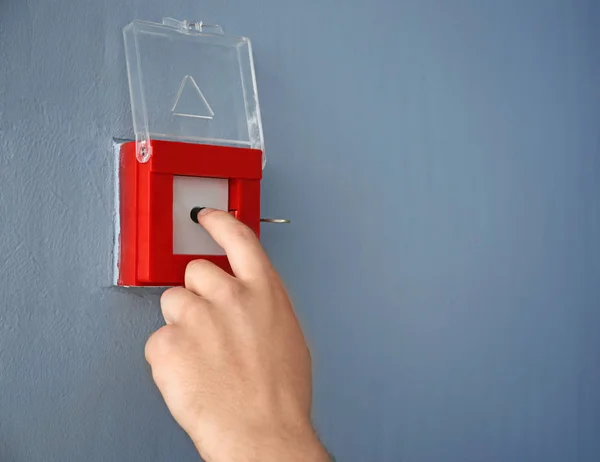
146,205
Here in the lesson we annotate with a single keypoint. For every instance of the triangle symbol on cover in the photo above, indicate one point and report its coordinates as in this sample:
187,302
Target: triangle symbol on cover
190,102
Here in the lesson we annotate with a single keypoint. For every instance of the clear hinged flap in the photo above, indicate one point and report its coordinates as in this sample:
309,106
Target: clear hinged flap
190,82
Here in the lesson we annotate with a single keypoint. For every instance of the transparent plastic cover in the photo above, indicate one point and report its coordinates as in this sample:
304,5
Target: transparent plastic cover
190,82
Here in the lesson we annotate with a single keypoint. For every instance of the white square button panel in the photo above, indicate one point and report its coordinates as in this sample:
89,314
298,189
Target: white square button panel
190,238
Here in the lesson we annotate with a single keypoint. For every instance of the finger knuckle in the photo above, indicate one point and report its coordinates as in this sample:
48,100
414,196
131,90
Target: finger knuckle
196,267
159,344
169,295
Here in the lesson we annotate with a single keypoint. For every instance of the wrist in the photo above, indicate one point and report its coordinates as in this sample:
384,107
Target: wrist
272,444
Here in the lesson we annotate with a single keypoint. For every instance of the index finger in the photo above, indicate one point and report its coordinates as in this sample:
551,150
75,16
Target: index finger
246,256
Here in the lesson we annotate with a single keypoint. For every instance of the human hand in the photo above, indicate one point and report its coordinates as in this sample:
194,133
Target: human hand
231,362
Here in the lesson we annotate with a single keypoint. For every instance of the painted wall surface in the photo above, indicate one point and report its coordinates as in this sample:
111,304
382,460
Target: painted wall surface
440,163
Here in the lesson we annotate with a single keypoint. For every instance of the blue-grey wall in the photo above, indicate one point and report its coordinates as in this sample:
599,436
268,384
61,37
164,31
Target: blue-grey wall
440,163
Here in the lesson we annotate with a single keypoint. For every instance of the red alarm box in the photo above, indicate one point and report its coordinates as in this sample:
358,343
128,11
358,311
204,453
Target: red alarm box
198,143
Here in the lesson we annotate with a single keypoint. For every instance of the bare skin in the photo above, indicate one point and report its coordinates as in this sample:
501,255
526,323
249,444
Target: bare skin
231,362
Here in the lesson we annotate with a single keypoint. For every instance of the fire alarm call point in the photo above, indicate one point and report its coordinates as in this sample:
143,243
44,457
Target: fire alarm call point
198,143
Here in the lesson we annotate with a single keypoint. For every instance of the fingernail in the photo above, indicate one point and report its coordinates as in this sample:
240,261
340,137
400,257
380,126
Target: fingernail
194,213
205,210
